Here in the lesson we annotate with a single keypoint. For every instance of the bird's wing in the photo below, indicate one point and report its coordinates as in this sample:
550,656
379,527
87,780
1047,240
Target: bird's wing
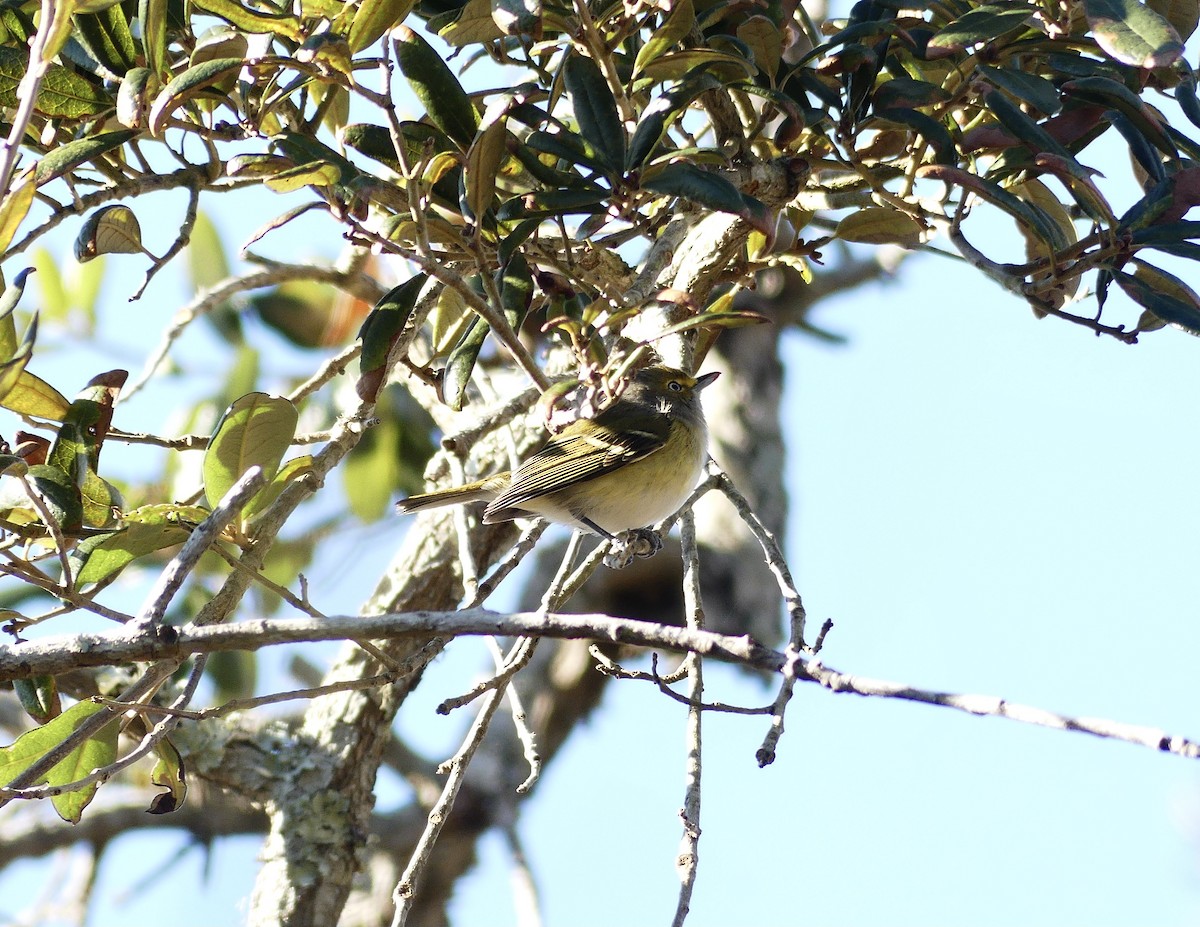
571,457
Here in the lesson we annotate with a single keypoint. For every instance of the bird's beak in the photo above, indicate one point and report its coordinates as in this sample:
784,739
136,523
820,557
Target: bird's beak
705,380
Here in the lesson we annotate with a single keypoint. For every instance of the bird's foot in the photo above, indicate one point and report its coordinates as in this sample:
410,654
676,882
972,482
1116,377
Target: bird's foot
638,542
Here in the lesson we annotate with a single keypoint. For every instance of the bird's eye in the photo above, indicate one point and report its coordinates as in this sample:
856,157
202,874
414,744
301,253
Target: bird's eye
674,386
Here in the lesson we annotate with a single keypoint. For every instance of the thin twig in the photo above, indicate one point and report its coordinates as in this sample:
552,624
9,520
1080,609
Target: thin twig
405,890
689,848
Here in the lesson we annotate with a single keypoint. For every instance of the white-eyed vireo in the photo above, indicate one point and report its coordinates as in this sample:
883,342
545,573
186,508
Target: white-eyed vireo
630,466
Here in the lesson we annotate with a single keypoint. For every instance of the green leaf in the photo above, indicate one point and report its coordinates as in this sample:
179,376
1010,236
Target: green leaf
255,431
1013,118
379,332
1110,93
169,774
519,17
249,20
98,751
880,225
187,85
448,106
375,17
13,210
63,93
1036,91
312,174
457,375
294,469
36,398
144,531
1163,294
105,34
595,109
8,304
109,230
660,115
13,368
981,24
483,166
668,36
39,697
1130,32
684,179
67,158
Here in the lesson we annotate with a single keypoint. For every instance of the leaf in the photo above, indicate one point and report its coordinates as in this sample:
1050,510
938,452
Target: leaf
294,469
169,774
39,697
981,24
67,158
473,24
63,93
660,115
1183,15
684,179
256,430
1036,91
312,174
448,106
519,17
109,230
1163,294
1111,94
13,368
681,64
1130,32
13,210
249,20
34,397
483,167
379,331
669,35
1027,215
187,85
879,225
97,558
106,36
765,42
1036,193
596,110
98,751
152,16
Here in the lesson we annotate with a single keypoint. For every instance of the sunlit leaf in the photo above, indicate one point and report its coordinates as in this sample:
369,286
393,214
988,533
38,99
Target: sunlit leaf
1132,33
13,210
169,774
379,332
879,225
448,106
98,751
255,431
518,17
39,697
375,17
109,230
187,85
668,36
69,157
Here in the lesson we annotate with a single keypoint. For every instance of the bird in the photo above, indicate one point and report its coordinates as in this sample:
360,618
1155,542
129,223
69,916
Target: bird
632,465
